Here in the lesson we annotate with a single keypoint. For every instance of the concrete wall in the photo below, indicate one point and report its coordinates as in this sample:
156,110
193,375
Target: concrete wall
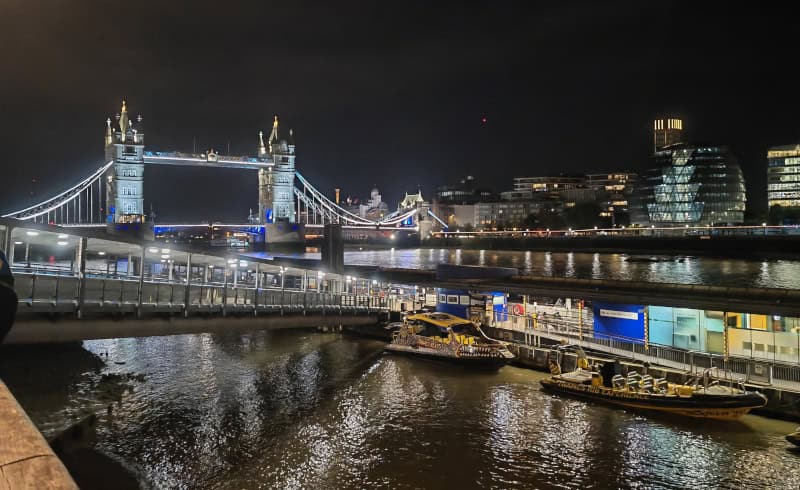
26,460
71,330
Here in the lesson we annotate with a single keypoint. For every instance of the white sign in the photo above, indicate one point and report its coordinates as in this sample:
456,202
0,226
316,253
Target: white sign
625,315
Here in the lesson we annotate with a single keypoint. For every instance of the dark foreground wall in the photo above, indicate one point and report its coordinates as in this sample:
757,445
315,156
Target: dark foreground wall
70,330
729,246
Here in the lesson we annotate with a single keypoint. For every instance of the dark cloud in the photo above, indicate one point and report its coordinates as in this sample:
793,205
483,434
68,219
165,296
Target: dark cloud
386,94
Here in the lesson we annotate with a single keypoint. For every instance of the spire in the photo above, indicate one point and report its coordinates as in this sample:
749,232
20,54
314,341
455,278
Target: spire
273,137
109,138
123,119
262,150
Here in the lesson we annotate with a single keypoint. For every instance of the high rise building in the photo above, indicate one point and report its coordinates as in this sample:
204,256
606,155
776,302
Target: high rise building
667,132
783,177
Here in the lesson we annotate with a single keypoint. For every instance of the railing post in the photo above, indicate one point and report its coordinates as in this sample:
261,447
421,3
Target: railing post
186,294
283,275
55,295
225,291
258,286
32,294
725,348
140,288
80,255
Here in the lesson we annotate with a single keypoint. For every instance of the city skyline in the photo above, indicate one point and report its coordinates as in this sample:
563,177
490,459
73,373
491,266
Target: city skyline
496,94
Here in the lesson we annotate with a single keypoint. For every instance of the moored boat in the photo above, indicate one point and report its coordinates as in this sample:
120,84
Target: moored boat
448,337
700,397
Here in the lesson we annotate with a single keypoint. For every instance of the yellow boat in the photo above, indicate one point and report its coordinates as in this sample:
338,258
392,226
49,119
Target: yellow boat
448,337
701,397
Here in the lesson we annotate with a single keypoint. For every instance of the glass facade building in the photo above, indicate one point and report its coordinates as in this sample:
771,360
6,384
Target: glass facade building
690,185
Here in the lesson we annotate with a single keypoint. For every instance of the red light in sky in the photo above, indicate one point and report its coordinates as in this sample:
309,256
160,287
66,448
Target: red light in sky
484,120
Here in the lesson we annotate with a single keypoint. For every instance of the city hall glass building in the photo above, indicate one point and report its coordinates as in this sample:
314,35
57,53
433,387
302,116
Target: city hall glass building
690,185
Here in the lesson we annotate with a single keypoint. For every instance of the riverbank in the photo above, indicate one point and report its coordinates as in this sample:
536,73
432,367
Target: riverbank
748,247
58,369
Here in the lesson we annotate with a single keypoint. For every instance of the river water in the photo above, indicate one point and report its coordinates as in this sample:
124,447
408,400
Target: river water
299,409
649,268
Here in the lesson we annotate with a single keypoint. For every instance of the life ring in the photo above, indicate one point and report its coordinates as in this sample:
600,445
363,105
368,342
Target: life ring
517,309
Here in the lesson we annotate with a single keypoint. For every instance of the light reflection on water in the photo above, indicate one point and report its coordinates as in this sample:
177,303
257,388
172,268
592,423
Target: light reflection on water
683,269
304,410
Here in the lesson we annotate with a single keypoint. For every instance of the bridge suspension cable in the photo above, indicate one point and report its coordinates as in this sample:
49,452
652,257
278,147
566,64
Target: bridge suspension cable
320,210
324,208
85,202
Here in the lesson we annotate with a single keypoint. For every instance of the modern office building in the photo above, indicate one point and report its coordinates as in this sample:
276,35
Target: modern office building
615,190
783,178
549,185
467,191
504,214
667,132
690,184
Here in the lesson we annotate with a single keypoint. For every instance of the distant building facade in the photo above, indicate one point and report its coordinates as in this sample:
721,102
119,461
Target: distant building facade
690,184
614,191
783,178
373,208
465,192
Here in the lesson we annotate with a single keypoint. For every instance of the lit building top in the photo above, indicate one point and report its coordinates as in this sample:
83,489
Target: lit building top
667,132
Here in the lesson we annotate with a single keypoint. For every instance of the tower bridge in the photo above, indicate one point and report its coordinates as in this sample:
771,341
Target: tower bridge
289,207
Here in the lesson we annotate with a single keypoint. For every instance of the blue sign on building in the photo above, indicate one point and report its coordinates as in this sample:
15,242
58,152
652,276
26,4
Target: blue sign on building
616,320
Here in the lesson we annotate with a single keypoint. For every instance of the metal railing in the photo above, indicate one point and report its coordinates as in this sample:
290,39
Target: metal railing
48,291
751,370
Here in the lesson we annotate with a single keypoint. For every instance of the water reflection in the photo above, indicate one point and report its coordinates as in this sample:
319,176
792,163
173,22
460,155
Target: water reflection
304,410
651,268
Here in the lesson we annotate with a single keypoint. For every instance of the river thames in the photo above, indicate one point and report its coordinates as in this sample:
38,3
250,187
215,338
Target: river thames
299,409
623,267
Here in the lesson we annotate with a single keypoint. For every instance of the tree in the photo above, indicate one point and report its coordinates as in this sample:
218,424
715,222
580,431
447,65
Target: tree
582,215
545,218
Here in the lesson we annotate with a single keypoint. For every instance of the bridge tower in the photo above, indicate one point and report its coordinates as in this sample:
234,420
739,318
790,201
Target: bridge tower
276,204
124,144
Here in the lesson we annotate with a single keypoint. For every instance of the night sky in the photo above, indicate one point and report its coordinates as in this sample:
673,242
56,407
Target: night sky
392,97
